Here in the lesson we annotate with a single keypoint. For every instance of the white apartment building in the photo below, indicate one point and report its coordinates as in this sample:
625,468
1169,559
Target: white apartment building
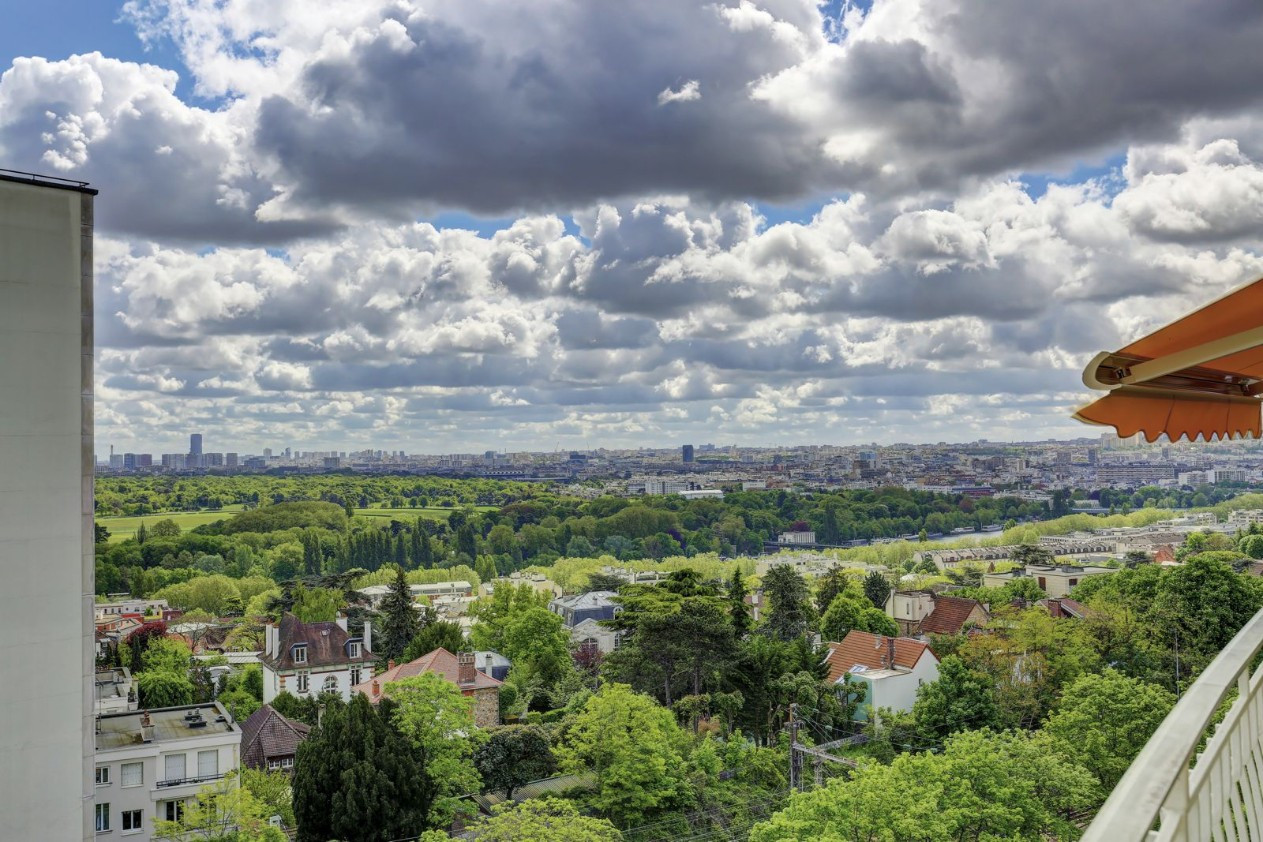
796,538
129,606
46,460
1245,517
307,659
113,692
150,764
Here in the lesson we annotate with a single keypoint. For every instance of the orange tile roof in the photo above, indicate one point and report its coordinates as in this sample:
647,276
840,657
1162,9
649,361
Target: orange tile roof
949,615
440,662
871,650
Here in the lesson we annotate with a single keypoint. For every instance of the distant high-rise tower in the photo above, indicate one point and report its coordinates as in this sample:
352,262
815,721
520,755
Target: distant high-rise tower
195,444
688,452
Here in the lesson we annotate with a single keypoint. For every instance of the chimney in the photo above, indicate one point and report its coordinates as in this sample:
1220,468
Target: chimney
466,672
377,689
368,636
390,664
890,652
341,621
486,660
146,728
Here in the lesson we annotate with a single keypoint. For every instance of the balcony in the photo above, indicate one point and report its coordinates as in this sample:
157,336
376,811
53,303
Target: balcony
1173,792
174,782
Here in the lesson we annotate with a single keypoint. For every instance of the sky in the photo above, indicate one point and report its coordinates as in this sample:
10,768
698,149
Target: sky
465,225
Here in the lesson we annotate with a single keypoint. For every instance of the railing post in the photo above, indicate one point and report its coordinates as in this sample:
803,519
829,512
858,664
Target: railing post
1174,813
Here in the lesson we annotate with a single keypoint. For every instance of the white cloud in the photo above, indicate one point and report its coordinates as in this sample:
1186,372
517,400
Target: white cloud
687,92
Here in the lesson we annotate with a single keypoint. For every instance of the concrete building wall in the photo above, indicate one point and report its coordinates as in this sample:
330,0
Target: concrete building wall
46,565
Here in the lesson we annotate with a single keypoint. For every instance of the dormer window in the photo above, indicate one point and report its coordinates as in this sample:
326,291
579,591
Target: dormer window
354,649
300,653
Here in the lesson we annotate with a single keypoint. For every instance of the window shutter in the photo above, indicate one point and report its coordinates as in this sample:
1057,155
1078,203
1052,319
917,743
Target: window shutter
207,764
174,767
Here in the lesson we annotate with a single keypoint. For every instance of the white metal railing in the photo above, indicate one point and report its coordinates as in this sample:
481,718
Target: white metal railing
1171,793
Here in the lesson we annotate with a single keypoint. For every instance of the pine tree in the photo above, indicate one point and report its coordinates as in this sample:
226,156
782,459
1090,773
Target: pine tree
399,620
424,556
401,553
141,533
466,543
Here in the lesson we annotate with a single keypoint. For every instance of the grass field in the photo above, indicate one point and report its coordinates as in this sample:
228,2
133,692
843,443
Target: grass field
407,514
122,528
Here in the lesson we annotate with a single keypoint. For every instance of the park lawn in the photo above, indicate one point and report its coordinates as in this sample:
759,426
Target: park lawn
122,528
408,513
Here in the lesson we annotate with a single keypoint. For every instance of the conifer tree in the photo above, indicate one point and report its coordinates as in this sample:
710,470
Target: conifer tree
141,533
399,620
357,777
740,614
313,557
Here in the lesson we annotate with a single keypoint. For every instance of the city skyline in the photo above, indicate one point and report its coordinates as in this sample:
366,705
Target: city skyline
849,221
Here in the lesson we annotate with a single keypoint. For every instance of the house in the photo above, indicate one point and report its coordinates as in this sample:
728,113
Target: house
270,740
150,764
594,605
113,691
307,659
460,670
890,668
590,633
458,588
909,609
1054,580
951,615
141,607
1063,608
493,664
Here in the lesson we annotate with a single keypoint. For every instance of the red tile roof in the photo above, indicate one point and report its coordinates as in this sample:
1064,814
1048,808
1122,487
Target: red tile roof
440,662
872,651
949,615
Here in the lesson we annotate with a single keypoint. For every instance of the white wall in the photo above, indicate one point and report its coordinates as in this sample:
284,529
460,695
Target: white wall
46,566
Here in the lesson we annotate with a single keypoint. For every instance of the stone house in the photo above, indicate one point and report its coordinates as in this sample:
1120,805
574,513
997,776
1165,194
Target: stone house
307,659
460,669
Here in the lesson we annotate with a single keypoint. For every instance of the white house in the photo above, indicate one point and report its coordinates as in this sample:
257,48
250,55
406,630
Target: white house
150,764
590,632
890,668
307,659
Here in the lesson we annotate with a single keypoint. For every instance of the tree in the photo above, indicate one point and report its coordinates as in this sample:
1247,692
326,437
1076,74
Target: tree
676,644
141,533
313,556
537,643
788,609
1027,554
1104,720
357,777
514,755
399,622
431,712
738,610
164,689
877,589
166,654
436,634
316,605
875,621
633,747
959,700
543,820
222,812
166,528
271,788
843,615
983,786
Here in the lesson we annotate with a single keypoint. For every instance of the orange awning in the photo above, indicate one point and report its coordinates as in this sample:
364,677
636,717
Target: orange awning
1201,375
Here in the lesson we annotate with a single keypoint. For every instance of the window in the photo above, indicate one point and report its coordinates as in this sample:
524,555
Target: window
330,685
207,763
102,775
174,810
133,774
273,765
287,763
302,682
173,767
353,649
1074,582
300,654
102,818
1043,583
131,820
356,676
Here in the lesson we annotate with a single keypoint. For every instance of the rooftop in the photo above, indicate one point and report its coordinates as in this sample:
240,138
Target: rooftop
113,683
122,730
872,651
47,181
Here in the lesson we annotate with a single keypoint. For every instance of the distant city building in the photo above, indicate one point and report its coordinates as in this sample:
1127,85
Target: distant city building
195,444
230,460
174,461
687,453
1134,475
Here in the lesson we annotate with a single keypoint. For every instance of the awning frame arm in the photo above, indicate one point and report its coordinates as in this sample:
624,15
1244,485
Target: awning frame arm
1195,356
